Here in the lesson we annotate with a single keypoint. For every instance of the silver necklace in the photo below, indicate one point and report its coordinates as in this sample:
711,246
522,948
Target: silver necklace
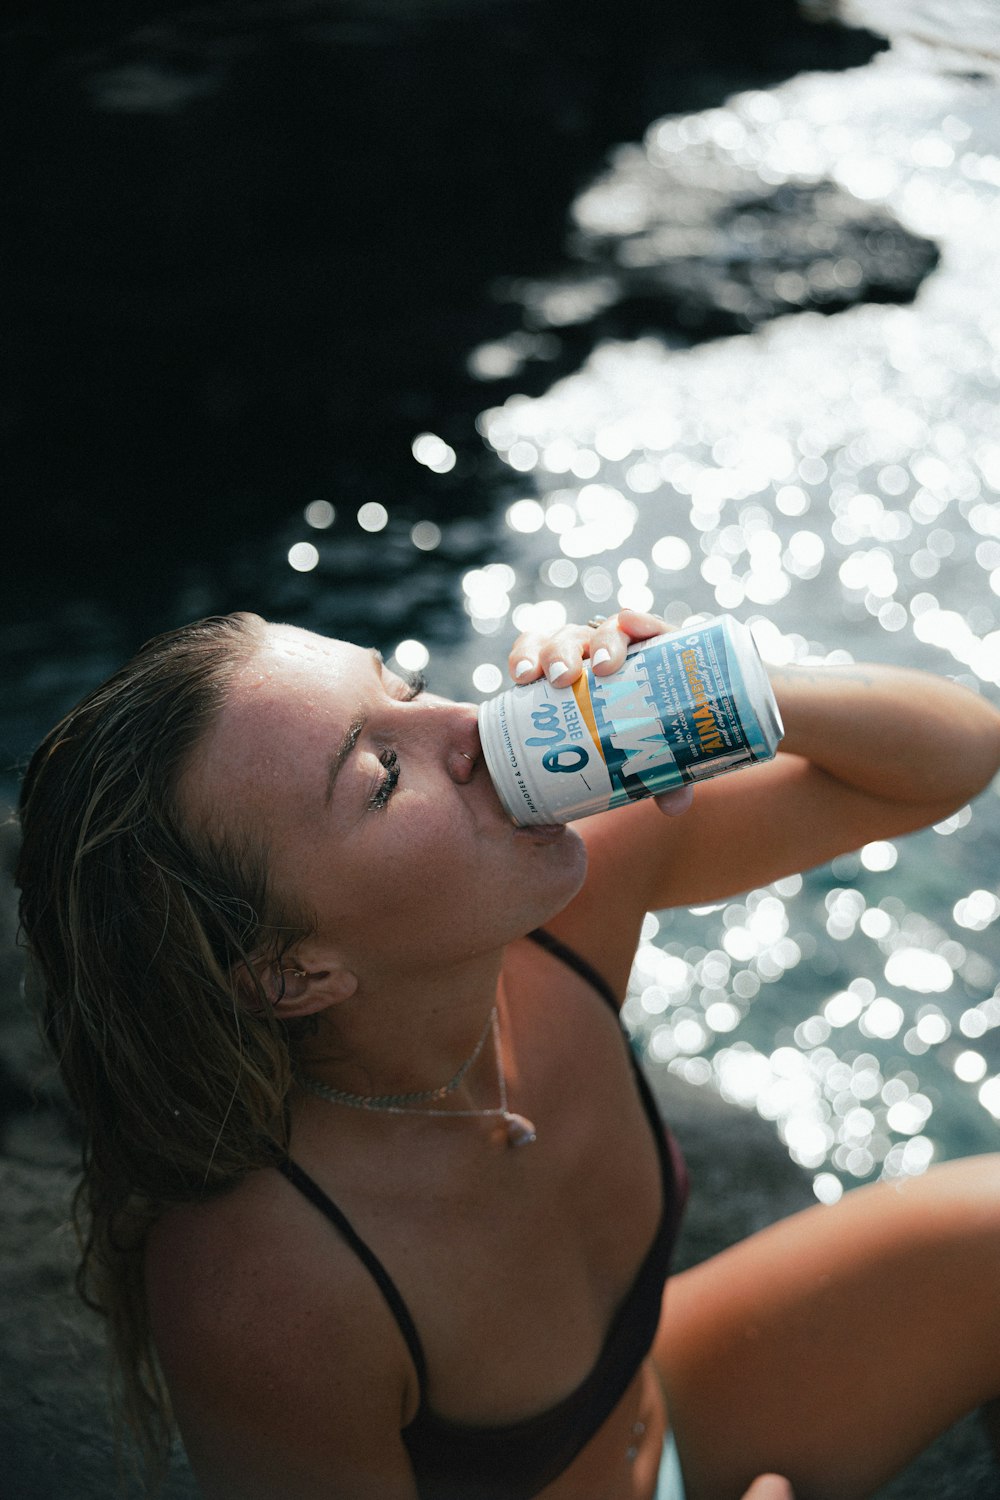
520,1130
395,1101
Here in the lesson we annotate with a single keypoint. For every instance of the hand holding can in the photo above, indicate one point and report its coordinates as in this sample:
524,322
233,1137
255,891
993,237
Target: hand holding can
684,706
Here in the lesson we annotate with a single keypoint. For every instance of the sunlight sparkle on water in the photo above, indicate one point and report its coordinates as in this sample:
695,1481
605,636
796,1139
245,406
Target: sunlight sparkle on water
425,536
833,481
917,969
487,678
320,514
303,557
487,596
372,516
434,453
970,1066
977,910
412,655
526,516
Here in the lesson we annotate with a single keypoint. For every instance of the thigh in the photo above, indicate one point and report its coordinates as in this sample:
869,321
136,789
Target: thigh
833,1347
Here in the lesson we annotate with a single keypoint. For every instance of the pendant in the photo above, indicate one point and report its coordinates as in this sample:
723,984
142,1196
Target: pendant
520,1131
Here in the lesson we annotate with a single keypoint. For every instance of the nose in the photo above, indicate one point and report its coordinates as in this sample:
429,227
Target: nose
464,748
449,733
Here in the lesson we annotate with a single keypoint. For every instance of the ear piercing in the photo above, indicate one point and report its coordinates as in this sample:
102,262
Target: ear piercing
296,973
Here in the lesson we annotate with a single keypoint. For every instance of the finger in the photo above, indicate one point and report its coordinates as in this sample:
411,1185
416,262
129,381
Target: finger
558,657
607,647
525,659
522,662
562,655
639,626
676,802
770,1487
611,640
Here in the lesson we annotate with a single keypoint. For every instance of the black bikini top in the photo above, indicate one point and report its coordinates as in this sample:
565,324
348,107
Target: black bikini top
453,1461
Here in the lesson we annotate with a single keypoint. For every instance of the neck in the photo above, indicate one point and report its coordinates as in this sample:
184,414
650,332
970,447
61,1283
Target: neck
396,1035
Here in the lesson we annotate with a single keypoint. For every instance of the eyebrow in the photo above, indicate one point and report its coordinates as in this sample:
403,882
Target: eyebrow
350,739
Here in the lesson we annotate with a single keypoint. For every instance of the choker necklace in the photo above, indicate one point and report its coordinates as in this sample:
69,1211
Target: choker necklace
520,1130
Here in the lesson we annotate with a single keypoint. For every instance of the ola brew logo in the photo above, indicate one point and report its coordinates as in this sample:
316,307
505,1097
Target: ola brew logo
551,736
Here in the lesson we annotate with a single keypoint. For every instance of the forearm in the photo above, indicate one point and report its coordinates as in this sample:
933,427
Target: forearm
873,752
901,735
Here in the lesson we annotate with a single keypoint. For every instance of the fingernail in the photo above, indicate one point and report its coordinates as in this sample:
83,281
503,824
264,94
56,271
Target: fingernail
524,666
600,656
557,669
675,803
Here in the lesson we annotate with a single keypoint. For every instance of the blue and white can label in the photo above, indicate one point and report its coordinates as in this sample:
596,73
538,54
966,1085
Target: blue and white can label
683,707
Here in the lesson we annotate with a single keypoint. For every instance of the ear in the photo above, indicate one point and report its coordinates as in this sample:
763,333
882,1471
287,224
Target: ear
296,986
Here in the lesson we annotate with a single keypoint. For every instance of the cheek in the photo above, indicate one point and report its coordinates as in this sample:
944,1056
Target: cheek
400,875
576,860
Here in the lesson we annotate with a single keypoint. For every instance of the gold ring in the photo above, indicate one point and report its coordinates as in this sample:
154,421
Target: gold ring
596,620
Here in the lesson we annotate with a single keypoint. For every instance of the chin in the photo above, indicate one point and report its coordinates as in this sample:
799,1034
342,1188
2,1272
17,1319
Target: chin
572,868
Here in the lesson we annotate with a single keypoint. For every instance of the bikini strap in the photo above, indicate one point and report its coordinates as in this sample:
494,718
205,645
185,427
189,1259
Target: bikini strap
312,1190
672,1165
577,962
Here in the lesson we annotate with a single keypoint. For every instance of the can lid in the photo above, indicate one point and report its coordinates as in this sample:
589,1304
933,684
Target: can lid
491,740
770,715
759,684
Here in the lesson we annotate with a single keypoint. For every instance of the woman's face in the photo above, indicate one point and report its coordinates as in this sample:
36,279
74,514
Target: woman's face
376,807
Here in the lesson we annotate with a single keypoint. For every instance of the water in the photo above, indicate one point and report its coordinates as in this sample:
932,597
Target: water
832,479
249,251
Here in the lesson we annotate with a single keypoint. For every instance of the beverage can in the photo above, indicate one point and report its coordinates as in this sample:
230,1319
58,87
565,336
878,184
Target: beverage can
683,707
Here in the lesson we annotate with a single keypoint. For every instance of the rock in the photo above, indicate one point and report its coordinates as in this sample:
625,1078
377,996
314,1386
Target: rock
29,1087
54,1426
742,1178
663,246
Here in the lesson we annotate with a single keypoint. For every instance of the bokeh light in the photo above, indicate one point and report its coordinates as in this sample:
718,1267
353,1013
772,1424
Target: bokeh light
425,535
320,514
412,655
487,678
434,453
303,557
372,516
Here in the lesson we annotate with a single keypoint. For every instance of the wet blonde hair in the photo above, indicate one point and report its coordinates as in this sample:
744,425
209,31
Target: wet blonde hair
143,937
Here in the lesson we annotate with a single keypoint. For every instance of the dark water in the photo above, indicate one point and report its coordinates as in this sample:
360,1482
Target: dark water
551,308
248,250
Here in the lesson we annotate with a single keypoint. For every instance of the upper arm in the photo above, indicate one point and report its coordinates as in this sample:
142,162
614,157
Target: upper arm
286,1384
742,830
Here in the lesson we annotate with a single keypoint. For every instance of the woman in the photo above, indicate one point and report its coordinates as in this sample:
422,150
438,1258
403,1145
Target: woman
368,1163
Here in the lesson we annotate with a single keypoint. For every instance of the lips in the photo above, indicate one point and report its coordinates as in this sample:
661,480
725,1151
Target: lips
538,833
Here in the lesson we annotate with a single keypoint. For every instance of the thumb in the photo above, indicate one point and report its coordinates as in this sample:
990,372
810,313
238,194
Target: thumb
676,802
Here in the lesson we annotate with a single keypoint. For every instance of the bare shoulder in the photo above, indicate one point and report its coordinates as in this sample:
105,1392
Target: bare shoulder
287,1372
210,1263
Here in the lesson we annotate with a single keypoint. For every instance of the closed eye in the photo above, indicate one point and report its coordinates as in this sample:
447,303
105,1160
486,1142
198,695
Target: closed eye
414,682
389,761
